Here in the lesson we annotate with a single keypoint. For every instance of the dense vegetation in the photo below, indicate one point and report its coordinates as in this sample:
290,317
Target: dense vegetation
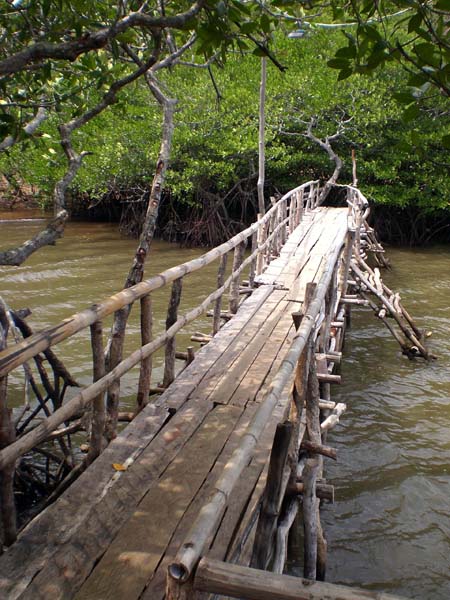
213,168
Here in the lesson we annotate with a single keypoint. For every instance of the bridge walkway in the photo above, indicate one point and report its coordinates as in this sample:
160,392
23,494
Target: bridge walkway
113,533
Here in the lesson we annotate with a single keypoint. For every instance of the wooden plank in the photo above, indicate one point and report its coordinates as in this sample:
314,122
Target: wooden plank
313,268
273,270
227,385
131,559
259,373
253,584
155,589
70,551
223,365
208,355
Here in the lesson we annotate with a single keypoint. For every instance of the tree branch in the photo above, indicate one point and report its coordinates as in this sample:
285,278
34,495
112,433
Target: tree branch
97,39
47,237
28,128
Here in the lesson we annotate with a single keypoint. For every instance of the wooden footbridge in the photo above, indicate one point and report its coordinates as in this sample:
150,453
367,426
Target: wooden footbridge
196,496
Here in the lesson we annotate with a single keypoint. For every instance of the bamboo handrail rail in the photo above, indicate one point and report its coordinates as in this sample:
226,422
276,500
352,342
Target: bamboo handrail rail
14,356
37,435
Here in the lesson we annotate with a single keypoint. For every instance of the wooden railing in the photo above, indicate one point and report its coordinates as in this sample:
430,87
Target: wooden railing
266,236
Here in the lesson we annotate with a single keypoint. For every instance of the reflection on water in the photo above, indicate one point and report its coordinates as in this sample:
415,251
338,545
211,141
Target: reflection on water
389,528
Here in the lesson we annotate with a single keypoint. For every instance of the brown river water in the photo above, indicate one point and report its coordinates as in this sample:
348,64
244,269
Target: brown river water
389,528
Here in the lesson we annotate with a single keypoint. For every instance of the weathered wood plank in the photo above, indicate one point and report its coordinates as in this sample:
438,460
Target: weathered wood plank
253,584
136,551
86,528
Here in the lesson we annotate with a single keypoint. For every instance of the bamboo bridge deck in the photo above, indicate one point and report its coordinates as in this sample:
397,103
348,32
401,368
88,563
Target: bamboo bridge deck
116,530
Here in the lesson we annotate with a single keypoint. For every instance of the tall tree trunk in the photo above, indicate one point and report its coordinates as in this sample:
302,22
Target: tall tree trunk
135,275
261,141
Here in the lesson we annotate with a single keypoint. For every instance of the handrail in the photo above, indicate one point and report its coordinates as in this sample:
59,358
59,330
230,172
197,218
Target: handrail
19,353
15,355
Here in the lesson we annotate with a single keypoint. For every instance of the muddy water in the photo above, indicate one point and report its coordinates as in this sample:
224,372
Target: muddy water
389,528
87,265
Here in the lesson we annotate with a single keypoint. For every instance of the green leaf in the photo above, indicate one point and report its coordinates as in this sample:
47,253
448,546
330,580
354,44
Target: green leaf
404,97
345,73
411,113
338,63
248,27
265,23
259,52
446,141
346,52
414,22
426,52
443,5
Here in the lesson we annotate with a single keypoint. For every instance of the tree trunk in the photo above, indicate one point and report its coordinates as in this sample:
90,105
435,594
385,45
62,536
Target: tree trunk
135,275
262,126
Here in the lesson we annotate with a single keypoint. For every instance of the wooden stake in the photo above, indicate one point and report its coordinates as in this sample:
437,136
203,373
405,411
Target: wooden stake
172,316
272,497
218,304
97,440
145,373
234,290
8,528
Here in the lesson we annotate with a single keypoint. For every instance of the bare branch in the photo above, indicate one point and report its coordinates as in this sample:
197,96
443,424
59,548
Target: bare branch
29,128
74,158
48,236
97,39
325,145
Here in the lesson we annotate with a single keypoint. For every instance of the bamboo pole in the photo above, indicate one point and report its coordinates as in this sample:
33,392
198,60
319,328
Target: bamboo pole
234,290
261,144
172,316
236,581
259,243
272,497
145,373
98,421
413,339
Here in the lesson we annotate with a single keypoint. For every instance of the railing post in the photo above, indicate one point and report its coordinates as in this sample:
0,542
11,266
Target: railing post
299,211
251,277
261,239
284,230
218,303
145,373
234,289
346,260
172,315
98,420
292,212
